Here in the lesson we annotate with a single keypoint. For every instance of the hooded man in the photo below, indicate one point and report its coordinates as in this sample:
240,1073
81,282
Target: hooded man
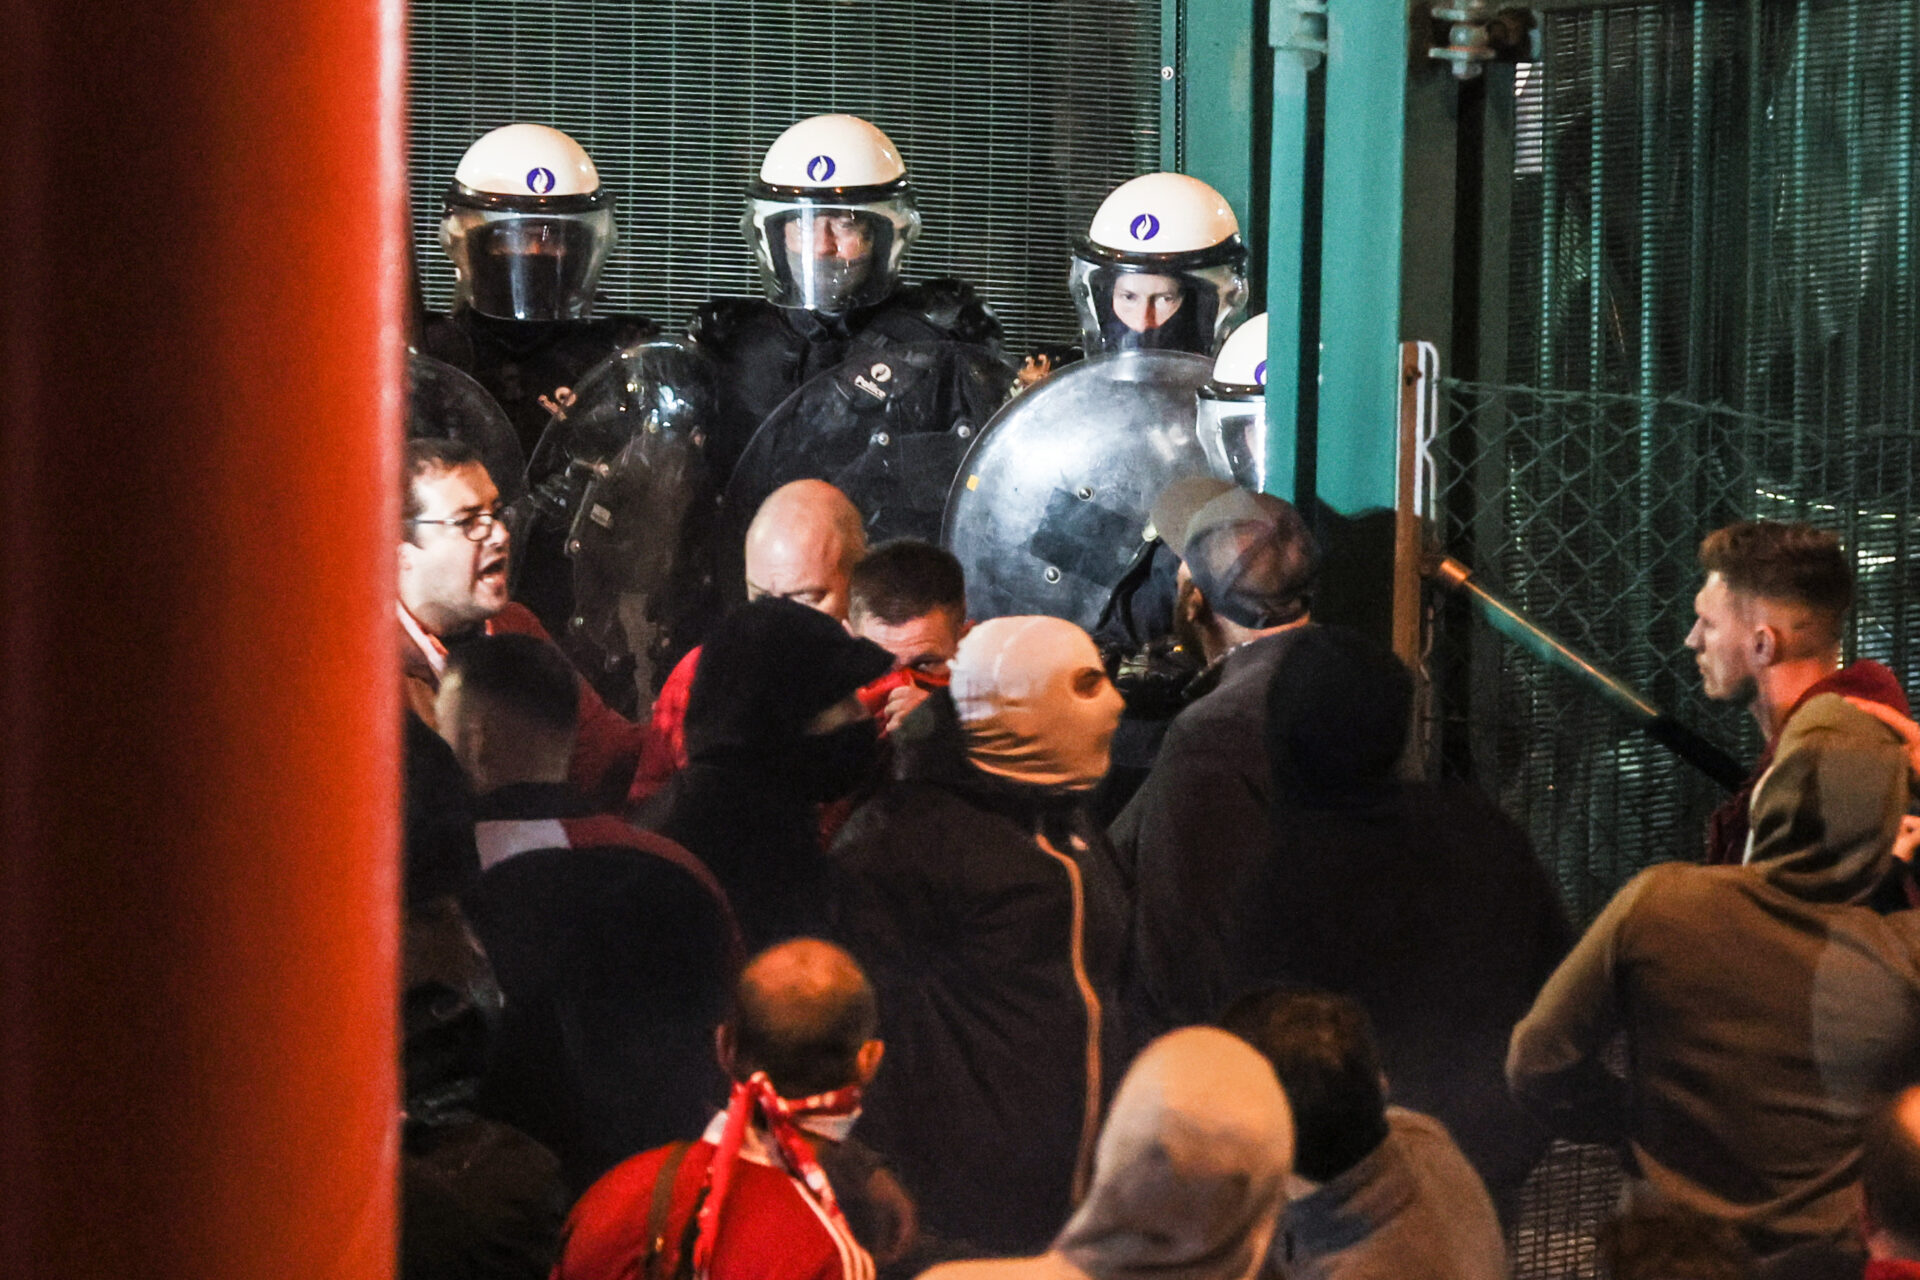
984,903
773,732
1190,1175
1767,1008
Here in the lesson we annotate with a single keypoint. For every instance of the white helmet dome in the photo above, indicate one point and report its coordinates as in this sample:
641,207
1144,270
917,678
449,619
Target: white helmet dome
830,216
530,160
1240,370
831,154
1232,419
528,226
1164,215
1161,267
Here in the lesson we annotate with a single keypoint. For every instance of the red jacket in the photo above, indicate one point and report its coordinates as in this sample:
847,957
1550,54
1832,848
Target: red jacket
770,1228
665,753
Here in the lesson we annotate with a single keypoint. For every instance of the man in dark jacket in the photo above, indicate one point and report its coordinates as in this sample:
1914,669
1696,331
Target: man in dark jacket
1197,830
1767,1008
774,731
983,902
1420,900
615,947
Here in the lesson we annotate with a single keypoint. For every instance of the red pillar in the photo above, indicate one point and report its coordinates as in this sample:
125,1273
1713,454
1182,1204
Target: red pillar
200,275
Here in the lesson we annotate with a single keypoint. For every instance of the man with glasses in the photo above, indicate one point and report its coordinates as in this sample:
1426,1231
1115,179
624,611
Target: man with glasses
453,588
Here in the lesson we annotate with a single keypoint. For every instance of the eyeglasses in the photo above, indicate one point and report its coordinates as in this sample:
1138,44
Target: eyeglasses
475,525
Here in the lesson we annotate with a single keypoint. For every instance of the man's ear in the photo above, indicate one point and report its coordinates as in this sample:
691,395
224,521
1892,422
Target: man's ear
1766,646
723,1048
867,1061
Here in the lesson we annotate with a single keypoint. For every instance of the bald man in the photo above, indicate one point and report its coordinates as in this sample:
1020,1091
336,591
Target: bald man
802,546
799,1046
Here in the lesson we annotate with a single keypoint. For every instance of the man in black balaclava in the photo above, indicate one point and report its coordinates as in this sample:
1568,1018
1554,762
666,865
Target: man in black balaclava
773,732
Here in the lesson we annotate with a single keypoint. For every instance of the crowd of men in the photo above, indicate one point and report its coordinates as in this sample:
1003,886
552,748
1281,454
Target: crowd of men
1262,1005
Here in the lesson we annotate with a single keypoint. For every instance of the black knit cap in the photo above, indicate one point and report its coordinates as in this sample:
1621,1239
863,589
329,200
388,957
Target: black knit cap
1250,554
769,668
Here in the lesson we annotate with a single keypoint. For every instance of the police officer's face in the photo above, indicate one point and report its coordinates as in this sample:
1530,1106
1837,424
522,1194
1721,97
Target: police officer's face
1144,303
844,236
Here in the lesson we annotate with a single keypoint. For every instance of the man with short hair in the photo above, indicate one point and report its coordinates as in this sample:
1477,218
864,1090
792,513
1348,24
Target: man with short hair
453,590
1767,628
910,598
1375,1190
1198,829
1767,1008
776,1188
615,947
802,546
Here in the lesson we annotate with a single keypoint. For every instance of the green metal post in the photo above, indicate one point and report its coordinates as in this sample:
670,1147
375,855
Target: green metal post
1360,254
1217,100
1289,363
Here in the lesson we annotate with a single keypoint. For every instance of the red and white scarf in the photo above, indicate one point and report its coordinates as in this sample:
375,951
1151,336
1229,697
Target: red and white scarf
780,1116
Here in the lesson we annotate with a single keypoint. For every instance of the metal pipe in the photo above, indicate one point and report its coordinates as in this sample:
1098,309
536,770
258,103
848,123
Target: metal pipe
1550,649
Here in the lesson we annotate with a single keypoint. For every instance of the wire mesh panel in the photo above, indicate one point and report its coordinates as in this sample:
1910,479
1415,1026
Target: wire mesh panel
1712,313
1015,118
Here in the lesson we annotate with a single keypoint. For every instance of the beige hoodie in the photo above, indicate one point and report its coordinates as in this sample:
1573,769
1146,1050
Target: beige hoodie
1189,1177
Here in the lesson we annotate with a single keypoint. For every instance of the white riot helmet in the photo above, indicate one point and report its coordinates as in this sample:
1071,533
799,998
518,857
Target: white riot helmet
1232,423
1162,267
830,216
528,226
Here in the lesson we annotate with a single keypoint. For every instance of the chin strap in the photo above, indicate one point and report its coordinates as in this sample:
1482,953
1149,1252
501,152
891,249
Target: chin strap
780,1116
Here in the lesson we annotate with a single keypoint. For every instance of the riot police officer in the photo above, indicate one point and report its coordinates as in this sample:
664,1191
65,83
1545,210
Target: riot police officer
1233,408
529,228
830,218
1161,268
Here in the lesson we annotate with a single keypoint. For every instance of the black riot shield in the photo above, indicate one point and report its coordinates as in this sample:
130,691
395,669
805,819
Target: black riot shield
1052,502
888,428
621,473
444,403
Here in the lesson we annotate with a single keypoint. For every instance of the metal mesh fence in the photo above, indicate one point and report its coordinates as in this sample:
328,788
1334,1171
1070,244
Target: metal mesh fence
1712,313
1016,118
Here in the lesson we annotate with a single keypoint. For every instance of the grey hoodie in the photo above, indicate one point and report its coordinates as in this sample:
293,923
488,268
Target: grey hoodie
1189,1176
1766,1007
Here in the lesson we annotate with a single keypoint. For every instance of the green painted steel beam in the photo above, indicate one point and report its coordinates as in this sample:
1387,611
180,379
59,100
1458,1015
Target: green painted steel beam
1218,101
1360,255
1292,152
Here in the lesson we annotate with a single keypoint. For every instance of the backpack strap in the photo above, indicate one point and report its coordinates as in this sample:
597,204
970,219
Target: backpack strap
658,1211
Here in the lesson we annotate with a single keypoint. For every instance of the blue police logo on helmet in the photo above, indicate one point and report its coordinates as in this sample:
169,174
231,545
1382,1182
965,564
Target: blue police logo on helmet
540,181
1144,227
1260,374
820,168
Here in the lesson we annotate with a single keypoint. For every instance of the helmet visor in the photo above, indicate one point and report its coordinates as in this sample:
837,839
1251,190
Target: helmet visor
1156,306
520,266
830,257
1233,434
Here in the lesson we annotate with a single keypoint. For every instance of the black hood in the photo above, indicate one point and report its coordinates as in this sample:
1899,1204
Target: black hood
766,671
1338,709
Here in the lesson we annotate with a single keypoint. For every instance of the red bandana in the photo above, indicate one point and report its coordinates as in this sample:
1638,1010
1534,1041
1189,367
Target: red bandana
778,1114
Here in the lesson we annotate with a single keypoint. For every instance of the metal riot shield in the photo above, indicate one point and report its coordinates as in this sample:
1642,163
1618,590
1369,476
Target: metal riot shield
444,403
622,472
888,428
1052,502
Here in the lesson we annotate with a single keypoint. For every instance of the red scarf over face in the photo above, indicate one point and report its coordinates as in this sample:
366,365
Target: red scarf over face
780,1116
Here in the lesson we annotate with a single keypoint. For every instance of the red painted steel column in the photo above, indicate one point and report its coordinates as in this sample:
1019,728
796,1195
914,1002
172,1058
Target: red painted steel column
199,398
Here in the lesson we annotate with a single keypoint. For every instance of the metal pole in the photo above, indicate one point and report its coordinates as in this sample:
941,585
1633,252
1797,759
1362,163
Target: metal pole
1550,649
200,325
